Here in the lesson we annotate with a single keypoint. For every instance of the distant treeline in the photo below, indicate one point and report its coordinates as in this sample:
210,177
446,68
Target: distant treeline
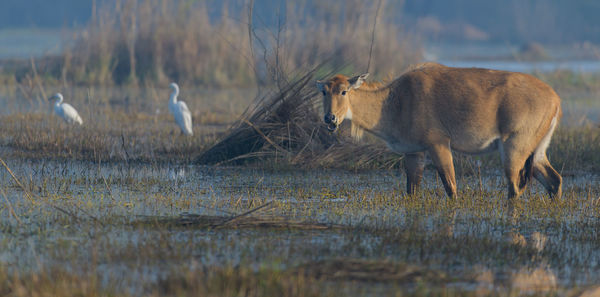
546,21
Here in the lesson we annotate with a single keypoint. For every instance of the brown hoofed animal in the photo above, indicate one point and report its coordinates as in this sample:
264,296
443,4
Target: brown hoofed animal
437,109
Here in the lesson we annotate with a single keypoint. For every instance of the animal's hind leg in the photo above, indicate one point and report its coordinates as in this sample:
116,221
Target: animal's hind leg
547,175
542,170
518,163
414,164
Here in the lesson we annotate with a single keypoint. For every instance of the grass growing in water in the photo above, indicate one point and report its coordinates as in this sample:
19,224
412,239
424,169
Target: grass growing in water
120,233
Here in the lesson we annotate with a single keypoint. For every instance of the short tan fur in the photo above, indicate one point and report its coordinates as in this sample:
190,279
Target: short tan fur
437,109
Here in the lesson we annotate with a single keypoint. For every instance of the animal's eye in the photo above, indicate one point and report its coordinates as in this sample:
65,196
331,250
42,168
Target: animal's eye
324,93
343,93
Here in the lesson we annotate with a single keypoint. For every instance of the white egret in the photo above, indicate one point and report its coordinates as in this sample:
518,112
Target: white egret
180,111
65,110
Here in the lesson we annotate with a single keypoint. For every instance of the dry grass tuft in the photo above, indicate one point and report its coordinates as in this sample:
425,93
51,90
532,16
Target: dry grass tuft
110,136
372,271
50,283
214,281
209,222
286,126
284,123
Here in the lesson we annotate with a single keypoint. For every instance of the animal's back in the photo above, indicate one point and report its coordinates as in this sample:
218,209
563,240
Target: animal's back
474,93
473,105
183,117
70,114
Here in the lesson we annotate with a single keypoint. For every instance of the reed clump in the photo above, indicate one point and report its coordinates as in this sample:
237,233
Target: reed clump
285,127
156,41
283,122
133,42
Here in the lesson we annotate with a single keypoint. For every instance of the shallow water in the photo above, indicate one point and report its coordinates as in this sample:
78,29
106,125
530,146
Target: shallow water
576,66
506,57
26,43
100,204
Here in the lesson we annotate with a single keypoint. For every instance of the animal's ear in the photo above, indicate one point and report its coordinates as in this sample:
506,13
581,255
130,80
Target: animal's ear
356,81
320,85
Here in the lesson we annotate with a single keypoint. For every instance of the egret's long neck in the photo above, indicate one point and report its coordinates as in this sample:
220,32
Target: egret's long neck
173,99
366,107
59,101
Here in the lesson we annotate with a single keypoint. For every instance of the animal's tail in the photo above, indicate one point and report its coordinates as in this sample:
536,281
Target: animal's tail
526,173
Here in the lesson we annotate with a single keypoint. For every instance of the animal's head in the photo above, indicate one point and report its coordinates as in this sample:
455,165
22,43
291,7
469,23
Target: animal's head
336,93
174,87
56,97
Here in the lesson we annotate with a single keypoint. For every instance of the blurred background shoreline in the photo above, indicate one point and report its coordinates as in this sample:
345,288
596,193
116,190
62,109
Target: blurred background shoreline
207,42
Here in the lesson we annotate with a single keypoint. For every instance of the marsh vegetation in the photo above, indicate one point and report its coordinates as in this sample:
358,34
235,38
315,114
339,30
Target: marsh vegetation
262,200
164,229
120,207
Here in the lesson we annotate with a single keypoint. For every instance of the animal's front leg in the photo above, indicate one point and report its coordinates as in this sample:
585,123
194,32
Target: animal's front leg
414,164
441,155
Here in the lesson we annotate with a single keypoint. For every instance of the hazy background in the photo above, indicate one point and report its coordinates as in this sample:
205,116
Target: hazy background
545,21
156,40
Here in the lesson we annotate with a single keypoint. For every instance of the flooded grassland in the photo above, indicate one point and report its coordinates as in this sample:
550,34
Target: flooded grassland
131,227
115,208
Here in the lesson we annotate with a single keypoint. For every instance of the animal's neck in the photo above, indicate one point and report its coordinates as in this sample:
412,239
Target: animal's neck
173,99
366,107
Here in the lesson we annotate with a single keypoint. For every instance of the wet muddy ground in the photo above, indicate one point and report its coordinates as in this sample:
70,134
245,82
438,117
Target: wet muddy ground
131,223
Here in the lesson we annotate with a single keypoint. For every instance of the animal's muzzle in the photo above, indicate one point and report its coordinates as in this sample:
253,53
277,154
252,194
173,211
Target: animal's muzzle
331,121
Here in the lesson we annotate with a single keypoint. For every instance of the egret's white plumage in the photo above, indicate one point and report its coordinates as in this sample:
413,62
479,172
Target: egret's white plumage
65,110
183,116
